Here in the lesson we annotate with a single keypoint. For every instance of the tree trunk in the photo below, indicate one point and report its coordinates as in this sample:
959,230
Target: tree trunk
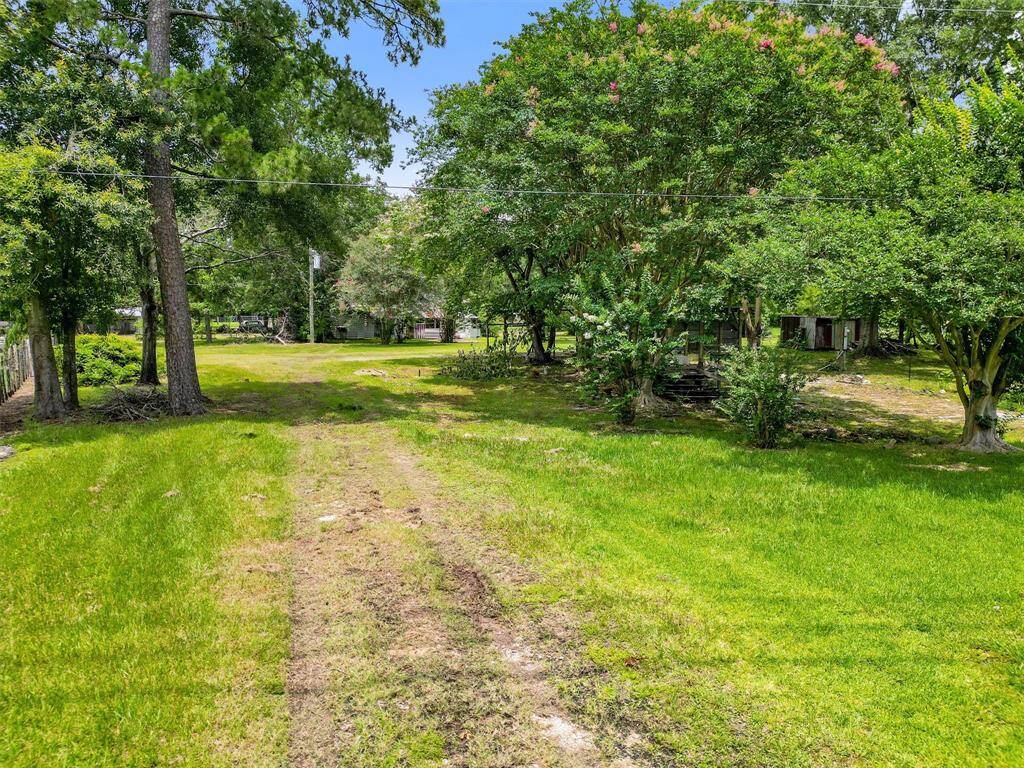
537,355
981,420
183,393
48,399
148,376
447,330
207,328
69,359
552,332
385,330
647,403
753,328
870,342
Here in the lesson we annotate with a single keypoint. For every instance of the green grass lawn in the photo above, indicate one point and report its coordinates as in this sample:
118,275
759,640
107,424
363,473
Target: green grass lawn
819,605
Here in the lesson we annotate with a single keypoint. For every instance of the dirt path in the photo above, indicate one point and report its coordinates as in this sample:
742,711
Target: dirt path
402,648
14,412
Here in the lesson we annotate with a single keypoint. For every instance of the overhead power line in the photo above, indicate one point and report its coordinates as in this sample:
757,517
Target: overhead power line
908,7
510,191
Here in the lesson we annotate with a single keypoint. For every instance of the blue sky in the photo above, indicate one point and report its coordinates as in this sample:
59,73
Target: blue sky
473,29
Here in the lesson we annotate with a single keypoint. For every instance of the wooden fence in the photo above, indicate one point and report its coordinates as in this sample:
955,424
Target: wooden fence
15,367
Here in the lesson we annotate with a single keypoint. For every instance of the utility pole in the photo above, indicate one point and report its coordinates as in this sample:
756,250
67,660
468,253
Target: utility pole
314,264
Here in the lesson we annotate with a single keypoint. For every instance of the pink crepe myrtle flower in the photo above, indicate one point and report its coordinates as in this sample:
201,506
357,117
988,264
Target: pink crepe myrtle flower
753,191
767,44
486,209
864,41
613,86
641,29
636,248
714,25
801,70
888,66
839,85
614,27
614,98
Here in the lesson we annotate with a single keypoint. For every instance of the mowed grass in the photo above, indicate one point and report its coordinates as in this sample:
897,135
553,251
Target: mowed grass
817,606
144,576
826,604
144,595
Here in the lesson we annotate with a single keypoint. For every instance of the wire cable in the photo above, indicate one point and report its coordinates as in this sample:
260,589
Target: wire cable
909,7
510,191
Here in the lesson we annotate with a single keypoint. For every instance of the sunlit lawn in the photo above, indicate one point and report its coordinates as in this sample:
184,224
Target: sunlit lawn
823,604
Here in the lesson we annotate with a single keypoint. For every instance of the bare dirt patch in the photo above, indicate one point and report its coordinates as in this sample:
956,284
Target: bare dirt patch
885,404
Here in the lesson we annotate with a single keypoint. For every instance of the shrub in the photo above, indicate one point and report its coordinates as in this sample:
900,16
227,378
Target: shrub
762,386
108,360
479,365
623,323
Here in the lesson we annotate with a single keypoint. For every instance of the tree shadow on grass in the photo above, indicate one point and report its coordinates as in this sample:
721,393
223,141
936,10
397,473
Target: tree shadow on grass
436,401
871,418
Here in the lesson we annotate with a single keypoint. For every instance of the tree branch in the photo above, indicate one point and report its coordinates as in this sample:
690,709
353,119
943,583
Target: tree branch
201,232
106,58
228,262
199,15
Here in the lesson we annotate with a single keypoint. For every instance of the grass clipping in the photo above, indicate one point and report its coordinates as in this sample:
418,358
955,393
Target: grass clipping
133,404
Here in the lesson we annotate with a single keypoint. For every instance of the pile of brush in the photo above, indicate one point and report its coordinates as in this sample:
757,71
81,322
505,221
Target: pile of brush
133,404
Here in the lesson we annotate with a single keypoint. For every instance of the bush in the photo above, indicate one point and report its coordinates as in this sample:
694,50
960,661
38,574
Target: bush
623,323
479,365
762,385
108,360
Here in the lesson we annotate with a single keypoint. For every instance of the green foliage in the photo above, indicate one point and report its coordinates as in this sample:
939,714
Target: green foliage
480,364
108,359
382,277
938,49
625,342
934,227
761,396
654,101
811,299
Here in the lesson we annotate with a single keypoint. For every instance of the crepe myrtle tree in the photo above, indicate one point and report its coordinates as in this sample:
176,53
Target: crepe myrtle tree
676,119
239,88
949,200
527,240
940,47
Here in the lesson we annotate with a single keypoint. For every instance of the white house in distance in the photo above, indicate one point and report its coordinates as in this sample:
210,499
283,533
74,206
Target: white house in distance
359,325
822,332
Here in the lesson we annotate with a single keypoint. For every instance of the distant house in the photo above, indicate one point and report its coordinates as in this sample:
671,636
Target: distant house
126,321
429,327
357,325
360,325
821,332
